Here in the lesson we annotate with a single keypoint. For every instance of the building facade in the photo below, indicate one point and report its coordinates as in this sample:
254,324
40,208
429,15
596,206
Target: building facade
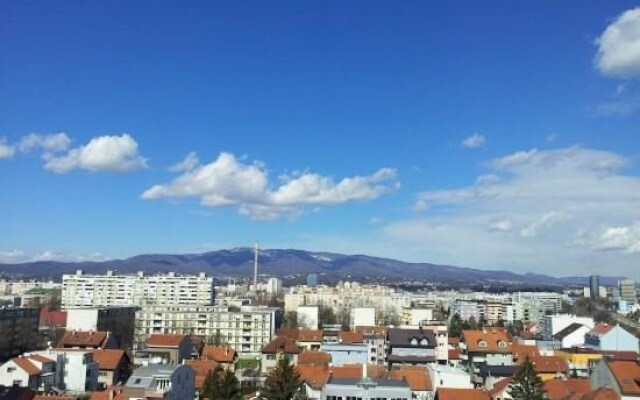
19,327
80,290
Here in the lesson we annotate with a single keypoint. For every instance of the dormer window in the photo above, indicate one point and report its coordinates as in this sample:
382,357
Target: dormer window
424,342
414,342
502,344
482,343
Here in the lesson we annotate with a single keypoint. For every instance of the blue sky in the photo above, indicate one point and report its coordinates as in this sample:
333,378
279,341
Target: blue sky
500,135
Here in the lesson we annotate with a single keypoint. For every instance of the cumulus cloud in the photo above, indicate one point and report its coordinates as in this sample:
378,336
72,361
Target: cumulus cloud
533,209
474,141
48,143
189,163
228,181
6,150
103,153
619,46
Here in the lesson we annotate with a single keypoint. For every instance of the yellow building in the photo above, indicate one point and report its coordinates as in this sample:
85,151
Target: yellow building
581,361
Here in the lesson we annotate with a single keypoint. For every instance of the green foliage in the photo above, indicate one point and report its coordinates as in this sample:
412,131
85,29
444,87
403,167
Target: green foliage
455,326
526,384
283,382
221,385
326,316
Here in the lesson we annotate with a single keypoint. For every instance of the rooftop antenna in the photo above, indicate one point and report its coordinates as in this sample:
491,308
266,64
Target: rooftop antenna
255,269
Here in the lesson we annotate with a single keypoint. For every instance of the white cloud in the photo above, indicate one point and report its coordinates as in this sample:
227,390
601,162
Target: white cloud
228,181
6,150
18,256
551,211
48,143
190,162
551,138
103,153
619,46
474,141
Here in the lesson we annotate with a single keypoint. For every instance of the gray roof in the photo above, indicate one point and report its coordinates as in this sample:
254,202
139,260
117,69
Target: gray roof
378,382
144,376
567,331
402,337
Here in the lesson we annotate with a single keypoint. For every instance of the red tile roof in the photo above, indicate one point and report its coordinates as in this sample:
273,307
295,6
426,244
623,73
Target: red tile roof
601,329
417,378
550,364
493,338
221,354
109,359
91,339
41,359
351,337
314,375
26,366
159,340
601,394
454,354
314,357
281,344
521,352
626,374
53,318
500,386
353,371
201,369
461,394
558,389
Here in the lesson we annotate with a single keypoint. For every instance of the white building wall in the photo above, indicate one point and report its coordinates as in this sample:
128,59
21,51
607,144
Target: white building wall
308,317
363,316
10,373
82,319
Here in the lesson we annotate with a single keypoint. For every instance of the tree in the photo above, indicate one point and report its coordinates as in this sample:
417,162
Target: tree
283,382
221,385
455,326
326,316
526,384
290,320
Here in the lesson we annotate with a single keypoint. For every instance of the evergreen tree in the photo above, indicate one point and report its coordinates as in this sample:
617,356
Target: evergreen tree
221,385
526,384
455,326
283,382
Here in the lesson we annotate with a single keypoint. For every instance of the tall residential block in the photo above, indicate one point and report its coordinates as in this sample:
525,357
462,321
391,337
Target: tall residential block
18,331
627,289
80,290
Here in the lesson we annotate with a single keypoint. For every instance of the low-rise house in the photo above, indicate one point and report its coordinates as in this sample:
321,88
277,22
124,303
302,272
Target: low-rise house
114,366
550,367
168,348
621,376
224,355
306,339
365,388
411,347
281,346
572,336
418,380
110,393
490,374
87,340
79,370
522,352
313,378
375,337
32,371
499,390
461,394
597,394
611,338
487,346
161,381
347,353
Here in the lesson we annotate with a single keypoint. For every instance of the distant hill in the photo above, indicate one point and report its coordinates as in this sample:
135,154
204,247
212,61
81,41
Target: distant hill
239,263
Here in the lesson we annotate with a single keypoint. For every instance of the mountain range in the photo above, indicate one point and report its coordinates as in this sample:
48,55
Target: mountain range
239,262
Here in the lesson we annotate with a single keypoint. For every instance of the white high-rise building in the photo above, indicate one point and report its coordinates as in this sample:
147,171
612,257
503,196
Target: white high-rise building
80,290
274,286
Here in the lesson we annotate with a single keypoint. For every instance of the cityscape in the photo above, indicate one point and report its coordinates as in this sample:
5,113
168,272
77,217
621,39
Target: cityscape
364,200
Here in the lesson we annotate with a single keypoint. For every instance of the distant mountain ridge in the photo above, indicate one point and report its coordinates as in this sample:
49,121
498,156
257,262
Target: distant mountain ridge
238,262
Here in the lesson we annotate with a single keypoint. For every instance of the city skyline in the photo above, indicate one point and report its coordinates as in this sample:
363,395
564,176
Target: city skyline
481,135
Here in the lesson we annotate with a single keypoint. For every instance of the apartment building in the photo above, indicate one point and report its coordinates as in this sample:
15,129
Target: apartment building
19,327
80,290
245,330
168,382
119,321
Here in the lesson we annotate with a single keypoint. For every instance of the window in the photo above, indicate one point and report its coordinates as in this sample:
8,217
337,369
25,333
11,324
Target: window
17,383
11,369
502,344
482,343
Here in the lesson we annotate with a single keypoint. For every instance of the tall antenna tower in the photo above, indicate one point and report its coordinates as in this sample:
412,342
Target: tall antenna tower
255,269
